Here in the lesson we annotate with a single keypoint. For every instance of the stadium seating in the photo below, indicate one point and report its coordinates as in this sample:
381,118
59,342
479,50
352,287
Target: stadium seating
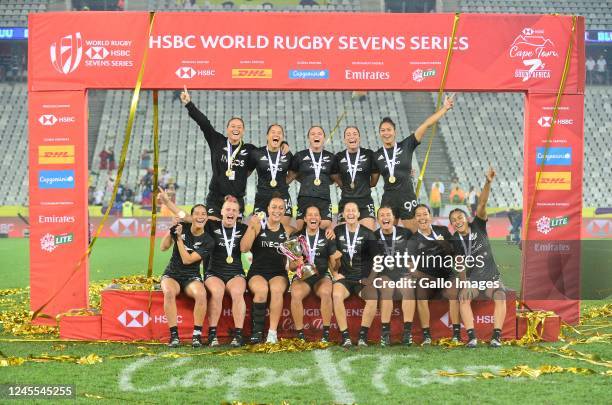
334,5
14,13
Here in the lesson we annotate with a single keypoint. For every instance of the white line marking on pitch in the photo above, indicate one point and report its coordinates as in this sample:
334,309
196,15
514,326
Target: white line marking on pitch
332,377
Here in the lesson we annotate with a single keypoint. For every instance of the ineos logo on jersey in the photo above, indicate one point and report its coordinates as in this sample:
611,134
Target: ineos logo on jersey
66,57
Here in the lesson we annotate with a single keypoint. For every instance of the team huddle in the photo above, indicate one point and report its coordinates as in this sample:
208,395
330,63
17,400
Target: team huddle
335,261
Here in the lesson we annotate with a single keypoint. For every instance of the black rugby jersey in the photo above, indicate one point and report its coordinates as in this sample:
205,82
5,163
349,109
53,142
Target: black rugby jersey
258,160
218,259
366,167
436,254
201,244
403,164
266,258
477,244
324,250
303,166
365,249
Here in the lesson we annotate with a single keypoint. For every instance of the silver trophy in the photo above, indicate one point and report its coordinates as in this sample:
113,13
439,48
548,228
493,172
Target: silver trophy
295,248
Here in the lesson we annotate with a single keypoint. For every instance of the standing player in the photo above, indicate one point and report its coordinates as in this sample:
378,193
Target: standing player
272,166
268,272
394,239
314,169
320,252
433,244
471,239
191,246
357,172
352,264
394,161
224,272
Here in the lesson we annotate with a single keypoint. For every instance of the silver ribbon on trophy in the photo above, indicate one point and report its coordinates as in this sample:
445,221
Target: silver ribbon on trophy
294,248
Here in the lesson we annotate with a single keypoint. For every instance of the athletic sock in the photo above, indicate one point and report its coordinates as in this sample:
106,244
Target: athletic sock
407,327
212,332
456,329
363,333
496,334
197,330
471,334
271,333
386,327
238,332
426,333
259,316
326,329
345,334
174,331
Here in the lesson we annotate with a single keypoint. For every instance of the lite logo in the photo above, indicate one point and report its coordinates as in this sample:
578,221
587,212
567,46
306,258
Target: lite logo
554,181
134,318
185,72
419,75
97,53
251,73
546,224
67,56
56,154
50,242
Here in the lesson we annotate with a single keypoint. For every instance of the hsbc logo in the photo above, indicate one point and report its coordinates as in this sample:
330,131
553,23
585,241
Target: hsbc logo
185,72
445,319
49,120
97,53
125,227
66,56
546,122
134,318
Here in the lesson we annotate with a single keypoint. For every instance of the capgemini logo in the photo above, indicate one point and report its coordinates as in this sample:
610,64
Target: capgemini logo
67,58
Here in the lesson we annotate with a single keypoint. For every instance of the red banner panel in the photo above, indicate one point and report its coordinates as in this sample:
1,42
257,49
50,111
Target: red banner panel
551,253
125,316
85,327
304,51
58,200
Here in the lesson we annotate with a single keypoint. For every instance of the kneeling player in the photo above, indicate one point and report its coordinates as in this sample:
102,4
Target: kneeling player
351,270
320,251
394,239
472,240
268,273
191,246
433,244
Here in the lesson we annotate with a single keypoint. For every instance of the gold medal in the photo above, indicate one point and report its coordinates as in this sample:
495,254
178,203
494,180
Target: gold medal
273,183
351,262
229,260
352,184
392,179
228,173
317,182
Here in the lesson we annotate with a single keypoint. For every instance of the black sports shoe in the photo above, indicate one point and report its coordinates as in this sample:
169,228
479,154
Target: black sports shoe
300,335
362,343
196,341
325,337
407,339
456,339
385,339
256,337
237,341
346,343
174,342
426,341
495,343
472,343
212,340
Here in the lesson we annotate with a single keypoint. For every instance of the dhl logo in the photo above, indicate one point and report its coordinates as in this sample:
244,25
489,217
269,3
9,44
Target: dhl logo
251,73
56,154
554,181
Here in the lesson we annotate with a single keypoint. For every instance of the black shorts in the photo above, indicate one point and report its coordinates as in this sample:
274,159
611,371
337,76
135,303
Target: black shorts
262,200
223,277
324,206
366,207
215,201
312,281
403,203
182,279
268,276
354,287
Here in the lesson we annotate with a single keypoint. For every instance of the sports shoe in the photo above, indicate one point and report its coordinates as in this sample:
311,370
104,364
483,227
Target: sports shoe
174,342
472,343
256,338
272,338
407,340
495,343
300,335
385,339
325,337
346,343
213,341
362,343
426,341
196,341
455,339
237,341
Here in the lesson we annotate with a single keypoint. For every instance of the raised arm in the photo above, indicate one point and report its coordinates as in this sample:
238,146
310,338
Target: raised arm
198,116
251,233
186,257
166,242
165,199
448,104
481,209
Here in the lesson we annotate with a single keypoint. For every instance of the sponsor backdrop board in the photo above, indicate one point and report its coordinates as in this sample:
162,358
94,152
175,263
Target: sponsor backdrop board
331,51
